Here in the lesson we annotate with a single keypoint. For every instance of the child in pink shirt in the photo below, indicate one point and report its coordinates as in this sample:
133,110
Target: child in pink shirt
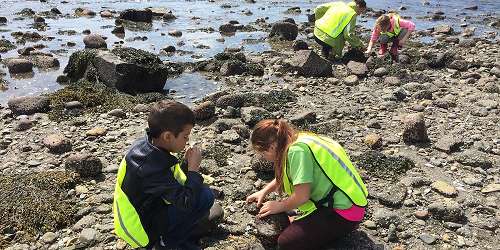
390,28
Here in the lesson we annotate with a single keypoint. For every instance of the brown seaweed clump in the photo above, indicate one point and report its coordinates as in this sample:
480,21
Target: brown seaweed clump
34,204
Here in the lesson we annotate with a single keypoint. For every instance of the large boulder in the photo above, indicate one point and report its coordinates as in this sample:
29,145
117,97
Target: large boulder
28,105
145,15
308,63
284,30
130,70
46,62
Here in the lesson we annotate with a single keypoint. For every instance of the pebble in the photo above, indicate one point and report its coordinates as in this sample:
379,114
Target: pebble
427,238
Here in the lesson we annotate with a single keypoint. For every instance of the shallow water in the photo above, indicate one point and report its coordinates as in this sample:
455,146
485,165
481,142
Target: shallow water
193,17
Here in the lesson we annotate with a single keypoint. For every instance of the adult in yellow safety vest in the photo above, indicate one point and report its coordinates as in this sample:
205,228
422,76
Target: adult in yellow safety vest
319,179
335,23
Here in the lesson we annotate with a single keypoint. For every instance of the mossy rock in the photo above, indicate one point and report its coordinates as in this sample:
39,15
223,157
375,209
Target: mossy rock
35,203
382,166
78,62
96,98
137,56
218,153
6,45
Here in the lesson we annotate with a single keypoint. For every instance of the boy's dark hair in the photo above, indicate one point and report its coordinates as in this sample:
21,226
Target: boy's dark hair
170,116
360,3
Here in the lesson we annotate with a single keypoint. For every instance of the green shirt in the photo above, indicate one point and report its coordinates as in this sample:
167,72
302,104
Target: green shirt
302,168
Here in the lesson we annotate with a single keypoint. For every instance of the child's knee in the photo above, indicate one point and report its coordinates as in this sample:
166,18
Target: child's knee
207,197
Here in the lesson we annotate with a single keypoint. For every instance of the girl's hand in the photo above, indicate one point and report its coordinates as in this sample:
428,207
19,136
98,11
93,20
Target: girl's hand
271,207
257,197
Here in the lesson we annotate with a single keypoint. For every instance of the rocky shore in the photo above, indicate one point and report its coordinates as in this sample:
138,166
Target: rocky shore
424,132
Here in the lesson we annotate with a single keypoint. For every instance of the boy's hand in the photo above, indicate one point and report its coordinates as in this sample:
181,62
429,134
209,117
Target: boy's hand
193,157
257,196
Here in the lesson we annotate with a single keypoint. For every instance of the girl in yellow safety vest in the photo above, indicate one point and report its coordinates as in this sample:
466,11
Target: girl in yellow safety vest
319,179
390,28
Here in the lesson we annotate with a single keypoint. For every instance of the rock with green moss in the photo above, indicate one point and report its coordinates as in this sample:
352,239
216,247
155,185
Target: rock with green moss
95,97
36,203
78,63
129,70
6,45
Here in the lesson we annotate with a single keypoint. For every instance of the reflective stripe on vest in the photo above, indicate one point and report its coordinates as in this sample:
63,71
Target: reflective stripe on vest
397,28
127,222
336,18
335,163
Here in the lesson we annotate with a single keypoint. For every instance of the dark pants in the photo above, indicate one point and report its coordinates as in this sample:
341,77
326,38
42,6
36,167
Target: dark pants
315,231
182,224
325,48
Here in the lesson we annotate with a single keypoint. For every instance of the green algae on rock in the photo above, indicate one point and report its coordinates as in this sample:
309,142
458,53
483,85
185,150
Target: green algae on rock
35,203
96,97
382,166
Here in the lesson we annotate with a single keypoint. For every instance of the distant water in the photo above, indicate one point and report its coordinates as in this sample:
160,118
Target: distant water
193,19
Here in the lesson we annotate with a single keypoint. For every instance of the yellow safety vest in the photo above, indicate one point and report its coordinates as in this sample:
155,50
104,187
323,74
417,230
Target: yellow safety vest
127,222
396,29
333,18
336,165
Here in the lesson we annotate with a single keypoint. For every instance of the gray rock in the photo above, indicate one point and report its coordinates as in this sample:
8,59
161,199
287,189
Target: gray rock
232,67
46,62
495,71
57,143
443,29
130,77
460,65
23,124
380,72
94,41
284,30
304,118
357,68
228,28
474,158
175,33
394,196
447,211
73,105
169,17
28,105
427,238
392,81
449,143
423,94
224,124
3,19
252,115
49,237
230,136
19,65
384,218
88,236
310,64
118,113
145,15
415,130
351,80
84,164
269,228
141,108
